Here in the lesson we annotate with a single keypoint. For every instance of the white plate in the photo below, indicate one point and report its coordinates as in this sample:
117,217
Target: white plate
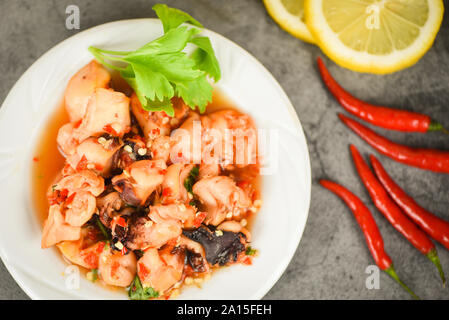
286,193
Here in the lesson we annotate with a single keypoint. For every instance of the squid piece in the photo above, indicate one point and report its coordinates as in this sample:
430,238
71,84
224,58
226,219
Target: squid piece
66,139
81,208
139,180
196,255
117,269
161,269
221,247
95,154
220,196
81,86
84,252
160,148
153,124
173,188
209,170
56,229
133,150
185,214
106,112
186,141
84,180
140,233
158,123
108,207
237,134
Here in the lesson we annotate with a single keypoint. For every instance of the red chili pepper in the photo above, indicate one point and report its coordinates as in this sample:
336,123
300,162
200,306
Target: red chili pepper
369,227
435,227
429,159
393,213
381,116
109,129
82,164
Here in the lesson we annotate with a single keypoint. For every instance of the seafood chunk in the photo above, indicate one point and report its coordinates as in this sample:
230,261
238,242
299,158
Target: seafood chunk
161,269
220,247
176,212
173,188
117,269
160,148
106,112
84,252
56,229
140,233
81,86
196,255
139,181
220,195
158,123
84,180
153,123
237,134
133,150
108,207
80,208
209,170
95,154
66,139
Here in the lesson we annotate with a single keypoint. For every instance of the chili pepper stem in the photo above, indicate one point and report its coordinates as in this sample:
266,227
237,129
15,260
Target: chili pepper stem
390,271
433,256
436,126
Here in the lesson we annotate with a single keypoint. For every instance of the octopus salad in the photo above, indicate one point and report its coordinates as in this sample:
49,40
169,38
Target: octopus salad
148,201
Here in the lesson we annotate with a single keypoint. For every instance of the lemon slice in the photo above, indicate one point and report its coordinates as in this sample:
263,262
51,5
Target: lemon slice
376,36
289,14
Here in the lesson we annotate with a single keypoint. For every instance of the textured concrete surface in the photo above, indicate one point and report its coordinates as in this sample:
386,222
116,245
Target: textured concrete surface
331,259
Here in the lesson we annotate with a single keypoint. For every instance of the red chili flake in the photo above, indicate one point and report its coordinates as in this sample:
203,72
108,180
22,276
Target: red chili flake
114,268
154,153
179,154
100,247
156,131
243,184
121,222
143,271
82,164
166,192
162,172
124,251
91,259
58,196
109,129
248,261
77,124
99,167
199,218
35,159
70,199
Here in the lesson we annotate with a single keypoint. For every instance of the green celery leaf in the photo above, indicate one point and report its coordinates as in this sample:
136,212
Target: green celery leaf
153,85
174,66
172,18
157,105
138,292
195,93
173,41
205,58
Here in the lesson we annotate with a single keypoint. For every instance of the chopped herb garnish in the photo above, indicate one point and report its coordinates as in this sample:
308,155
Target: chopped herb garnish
250,251
53,187
160,70
138,292
102,228
191,179
93,275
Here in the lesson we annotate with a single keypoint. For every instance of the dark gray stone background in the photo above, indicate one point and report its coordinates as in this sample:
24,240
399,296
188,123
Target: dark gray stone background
331,259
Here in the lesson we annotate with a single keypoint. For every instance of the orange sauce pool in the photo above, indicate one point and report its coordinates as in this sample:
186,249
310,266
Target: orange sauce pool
47,162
